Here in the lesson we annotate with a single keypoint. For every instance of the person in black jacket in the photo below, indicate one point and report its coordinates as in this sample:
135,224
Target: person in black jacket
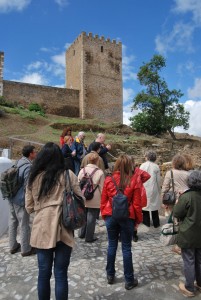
68,153
188,210
103,149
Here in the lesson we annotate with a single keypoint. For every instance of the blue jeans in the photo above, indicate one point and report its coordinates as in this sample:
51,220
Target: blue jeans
125,229
60,255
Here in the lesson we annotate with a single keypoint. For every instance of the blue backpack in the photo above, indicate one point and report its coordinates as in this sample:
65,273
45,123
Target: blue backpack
120,204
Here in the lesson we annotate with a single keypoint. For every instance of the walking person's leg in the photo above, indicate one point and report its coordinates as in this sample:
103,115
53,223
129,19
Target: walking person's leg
113,230
91,224
82,230
155,218
146,218
198,267
188,256
61,263
13,224
127,228
25,232
45,261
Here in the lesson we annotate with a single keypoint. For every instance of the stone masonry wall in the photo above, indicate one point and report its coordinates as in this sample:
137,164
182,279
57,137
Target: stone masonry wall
58,101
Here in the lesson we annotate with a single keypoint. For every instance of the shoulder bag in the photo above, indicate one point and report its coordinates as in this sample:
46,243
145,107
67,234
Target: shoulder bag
73,210
169,197
169,232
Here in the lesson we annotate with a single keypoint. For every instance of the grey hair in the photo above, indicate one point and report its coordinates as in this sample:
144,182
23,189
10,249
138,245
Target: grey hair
81,133
151,155
194,180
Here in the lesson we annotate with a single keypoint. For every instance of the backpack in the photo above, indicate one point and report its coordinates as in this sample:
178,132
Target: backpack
120,204
10,181
86,185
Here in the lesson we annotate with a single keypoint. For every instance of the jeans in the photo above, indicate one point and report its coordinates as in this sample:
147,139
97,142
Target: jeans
61,257
19,217
125,229
192,267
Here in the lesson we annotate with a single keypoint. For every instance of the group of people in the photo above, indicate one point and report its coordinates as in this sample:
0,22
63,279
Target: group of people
42,193
75,150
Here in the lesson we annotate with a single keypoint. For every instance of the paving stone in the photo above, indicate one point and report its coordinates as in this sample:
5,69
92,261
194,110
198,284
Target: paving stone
158,270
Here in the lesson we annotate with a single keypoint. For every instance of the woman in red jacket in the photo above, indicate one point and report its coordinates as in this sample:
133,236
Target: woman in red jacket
127,182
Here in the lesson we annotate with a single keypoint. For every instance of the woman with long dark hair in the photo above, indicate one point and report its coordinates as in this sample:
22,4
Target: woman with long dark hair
127,182
52,241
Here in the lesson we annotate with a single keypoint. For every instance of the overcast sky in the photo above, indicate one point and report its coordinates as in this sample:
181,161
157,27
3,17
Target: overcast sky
35,35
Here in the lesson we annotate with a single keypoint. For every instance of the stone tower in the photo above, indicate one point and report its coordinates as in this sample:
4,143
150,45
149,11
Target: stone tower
94,67
1,72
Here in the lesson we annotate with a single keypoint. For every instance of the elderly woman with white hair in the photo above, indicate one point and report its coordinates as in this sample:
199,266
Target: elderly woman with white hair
80,150
188,210
153,190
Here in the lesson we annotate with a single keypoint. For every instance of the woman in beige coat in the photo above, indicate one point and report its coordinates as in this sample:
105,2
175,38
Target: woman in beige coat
93,205
180,171
53,242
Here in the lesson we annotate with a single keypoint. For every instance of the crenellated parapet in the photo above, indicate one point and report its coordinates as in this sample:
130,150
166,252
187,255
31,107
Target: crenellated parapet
94,37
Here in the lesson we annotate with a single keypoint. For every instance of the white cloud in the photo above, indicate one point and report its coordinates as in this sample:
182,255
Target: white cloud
187,66
193,6
128,94
59,59
34,78
195,91
180,38
10,5
194,107
62,3
127,67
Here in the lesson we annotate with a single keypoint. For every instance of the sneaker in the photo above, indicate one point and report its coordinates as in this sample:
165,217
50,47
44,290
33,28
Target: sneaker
184,291
110,279
198,287
131,285
31,252
15,250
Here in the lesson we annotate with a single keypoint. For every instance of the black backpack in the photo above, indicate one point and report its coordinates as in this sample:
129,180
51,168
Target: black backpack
87,186
120,204
10,181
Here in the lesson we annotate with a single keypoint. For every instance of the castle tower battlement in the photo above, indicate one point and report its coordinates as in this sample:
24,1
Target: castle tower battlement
1,72
94,67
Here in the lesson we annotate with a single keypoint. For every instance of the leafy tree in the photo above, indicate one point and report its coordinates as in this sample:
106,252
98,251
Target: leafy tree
159,106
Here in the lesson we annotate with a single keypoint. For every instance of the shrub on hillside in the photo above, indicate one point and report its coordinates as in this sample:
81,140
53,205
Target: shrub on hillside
37,108
2,113
6,103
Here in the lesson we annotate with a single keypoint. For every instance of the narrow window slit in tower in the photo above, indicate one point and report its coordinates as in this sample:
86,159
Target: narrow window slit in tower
101,48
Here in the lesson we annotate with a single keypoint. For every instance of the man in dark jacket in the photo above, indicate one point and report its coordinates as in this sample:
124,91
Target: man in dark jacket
188,210
103,149
18,215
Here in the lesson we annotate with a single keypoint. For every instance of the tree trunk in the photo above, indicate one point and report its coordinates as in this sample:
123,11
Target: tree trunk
172,134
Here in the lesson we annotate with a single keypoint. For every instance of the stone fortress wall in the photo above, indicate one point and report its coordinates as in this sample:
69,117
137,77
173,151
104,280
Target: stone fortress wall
93,82
57,101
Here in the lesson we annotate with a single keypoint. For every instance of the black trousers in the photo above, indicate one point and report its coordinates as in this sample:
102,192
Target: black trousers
155,218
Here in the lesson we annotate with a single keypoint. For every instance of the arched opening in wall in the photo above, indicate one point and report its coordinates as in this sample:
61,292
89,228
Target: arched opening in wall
101,48
73,52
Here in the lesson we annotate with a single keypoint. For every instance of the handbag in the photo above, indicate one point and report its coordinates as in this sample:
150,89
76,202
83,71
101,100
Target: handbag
169,232
169,197
73,208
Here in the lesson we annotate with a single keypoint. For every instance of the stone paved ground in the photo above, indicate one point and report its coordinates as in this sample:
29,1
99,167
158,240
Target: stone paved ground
158,270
